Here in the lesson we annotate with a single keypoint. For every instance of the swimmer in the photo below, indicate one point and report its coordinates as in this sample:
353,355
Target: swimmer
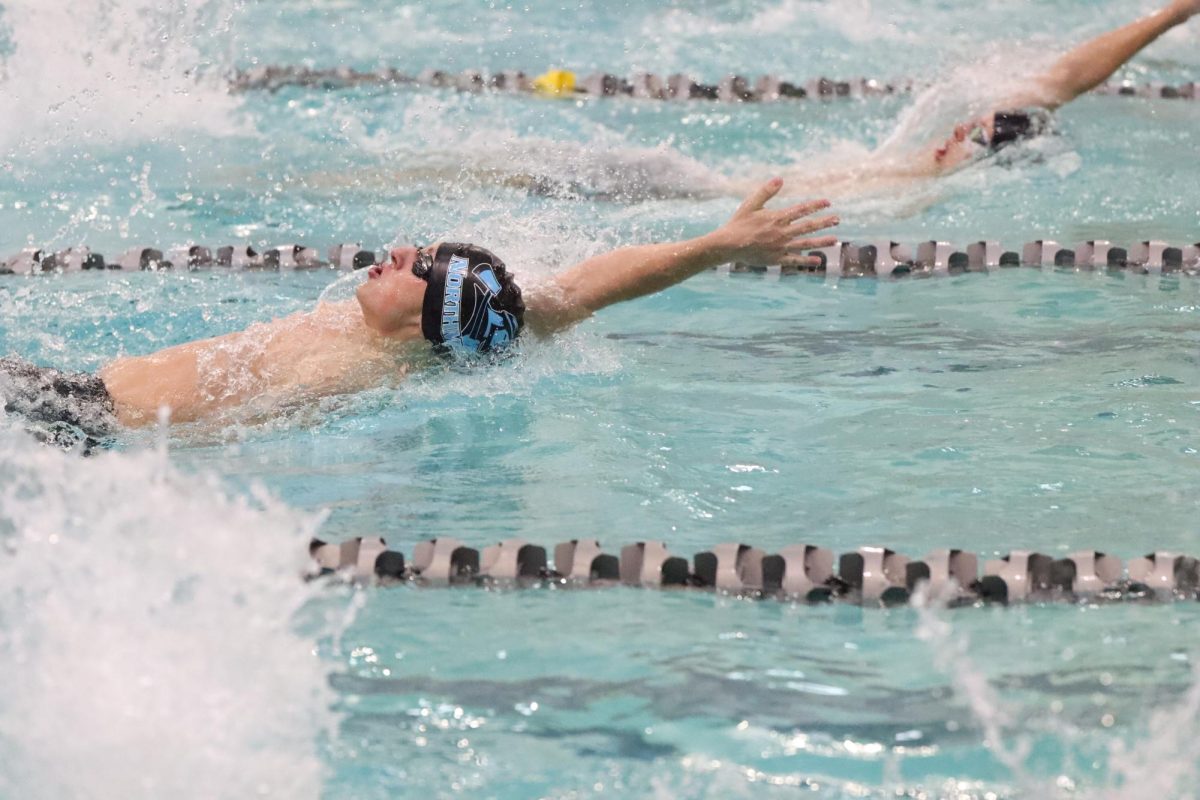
1021,115
452,300
653,174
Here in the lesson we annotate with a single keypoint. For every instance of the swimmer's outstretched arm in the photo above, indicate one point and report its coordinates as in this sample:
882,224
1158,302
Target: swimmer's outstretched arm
753,234
1091,63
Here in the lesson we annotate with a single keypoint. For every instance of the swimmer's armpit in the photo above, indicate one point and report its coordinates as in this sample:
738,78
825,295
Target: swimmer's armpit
754,234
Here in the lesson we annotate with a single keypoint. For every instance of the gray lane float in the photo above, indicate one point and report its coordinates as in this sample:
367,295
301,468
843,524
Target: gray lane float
868,576
731,88
582,561
800,571
441,562
649,564
874,258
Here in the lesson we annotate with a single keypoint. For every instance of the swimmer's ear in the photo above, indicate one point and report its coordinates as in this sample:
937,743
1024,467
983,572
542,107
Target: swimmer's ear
759,197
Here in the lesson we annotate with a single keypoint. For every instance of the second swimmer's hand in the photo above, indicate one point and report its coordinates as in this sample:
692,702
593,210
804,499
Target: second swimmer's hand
759,235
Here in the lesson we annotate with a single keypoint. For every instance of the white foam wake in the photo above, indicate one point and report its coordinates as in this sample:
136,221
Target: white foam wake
442,142
146,634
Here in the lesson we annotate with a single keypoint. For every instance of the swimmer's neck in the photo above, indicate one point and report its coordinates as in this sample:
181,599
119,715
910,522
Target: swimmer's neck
346,316
342,320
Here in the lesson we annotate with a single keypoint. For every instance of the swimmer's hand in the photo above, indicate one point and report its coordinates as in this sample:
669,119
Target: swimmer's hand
759,235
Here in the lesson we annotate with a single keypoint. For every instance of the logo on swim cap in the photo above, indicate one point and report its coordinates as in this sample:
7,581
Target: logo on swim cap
472,304
452,297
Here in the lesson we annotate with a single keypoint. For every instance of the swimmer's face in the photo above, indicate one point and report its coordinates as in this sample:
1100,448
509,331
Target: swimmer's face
392,297
968,142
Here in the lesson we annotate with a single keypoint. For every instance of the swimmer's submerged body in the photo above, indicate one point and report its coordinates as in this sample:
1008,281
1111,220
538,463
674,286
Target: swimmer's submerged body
448,300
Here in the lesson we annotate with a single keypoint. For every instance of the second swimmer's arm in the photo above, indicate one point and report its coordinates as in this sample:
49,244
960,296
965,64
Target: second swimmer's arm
754,234
1093,62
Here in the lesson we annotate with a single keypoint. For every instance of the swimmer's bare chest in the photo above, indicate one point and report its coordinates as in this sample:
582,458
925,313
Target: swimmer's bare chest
266,367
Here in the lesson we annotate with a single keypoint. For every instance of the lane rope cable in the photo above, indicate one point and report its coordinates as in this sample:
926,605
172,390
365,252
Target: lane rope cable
875,258
870,576
644,85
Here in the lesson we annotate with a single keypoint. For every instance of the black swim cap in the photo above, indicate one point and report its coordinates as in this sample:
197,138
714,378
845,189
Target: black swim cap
1009,126
471,304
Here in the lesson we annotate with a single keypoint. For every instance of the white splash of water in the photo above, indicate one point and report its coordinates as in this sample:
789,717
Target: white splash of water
1166,762
897,179
343,288
969,681
678,31
974,86
146,634
109,70
450,147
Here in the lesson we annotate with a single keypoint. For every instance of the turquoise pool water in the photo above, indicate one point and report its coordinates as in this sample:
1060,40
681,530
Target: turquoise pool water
150,618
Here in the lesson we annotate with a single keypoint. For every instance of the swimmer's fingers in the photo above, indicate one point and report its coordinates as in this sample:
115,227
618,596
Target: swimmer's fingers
795,252
803,209
809,225
800,261
800,245
759,197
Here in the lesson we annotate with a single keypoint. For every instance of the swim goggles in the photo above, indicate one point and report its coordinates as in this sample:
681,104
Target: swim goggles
979,135
1007,127
422,264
